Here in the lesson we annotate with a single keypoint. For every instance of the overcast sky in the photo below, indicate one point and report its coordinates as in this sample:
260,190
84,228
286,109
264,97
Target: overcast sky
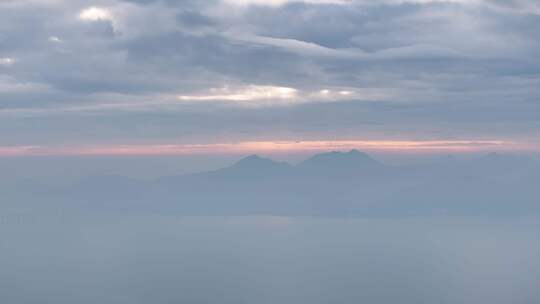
172,77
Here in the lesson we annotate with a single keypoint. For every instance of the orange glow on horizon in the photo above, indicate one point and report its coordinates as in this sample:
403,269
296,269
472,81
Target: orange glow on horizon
399,146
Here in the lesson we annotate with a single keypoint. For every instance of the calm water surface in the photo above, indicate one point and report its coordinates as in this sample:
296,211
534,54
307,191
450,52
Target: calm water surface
265,259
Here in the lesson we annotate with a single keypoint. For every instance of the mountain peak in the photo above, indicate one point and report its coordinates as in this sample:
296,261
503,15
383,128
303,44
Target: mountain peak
255,163
254,159
357,153
352,155
336,160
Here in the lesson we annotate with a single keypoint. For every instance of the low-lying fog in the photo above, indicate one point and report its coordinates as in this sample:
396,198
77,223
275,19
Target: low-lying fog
66,258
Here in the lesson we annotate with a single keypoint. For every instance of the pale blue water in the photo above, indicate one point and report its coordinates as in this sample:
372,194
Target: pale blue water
170,259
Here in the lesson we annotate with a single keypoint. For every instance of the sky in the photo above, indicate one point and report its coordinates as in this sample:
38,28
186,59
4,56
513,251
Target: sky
149,77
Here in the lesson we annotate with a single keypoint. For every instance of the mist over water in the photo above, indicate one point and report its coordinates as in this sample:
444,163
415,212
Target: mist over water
269,152
96,258
339,227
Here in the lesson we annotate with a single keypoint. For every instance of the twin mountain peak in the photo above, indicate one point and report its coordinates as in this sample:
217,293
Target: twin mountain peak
353,159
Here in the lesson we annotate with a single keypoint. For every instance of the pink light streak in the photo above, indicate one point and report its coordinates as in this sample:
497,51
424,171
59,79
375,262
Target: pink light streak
400,146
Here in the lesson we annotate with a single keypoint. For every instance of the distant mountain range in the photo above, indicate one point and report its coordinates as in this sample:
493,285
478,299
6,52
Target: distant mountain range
329,184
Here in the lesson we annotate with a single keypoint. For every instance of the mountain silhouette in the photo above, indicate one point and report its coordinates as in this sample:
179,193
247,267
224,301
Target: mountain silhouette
353,158
344,164
255,166
329,184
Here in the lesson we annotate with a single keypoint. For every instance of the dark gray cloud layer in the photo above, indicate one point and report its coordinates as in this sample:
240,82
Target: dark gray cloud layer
81,71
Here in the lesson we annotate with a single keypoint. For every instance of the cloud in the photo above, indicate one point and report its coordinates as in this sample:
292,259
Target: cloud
293,69
248,93
95,14
282,2
265,95
449,146
6,61
10,85
528,7
344,2
55,39
297,46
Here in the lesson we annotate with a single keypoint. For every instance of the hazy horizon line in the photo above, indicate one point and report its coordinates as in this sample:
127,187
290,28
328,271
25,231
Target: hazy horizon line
273,147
